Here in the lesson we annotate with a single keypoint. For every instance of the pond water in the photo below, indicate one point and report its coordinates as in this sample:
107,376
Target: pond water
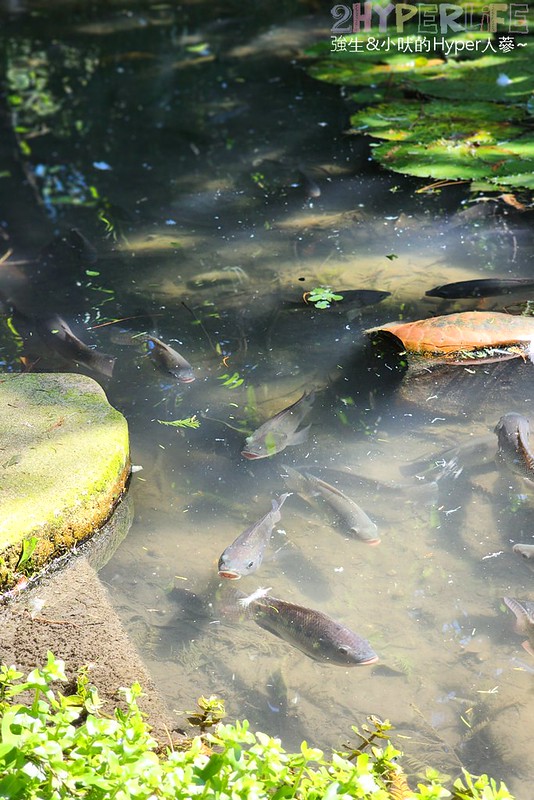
217,184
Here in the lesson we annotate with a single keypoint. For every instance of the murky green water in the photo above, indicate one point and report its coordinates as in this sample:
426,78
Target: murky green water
185,135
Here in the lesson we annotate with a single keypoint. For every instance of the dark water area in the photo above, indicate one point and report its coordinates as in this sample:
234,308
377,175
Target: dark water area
174,167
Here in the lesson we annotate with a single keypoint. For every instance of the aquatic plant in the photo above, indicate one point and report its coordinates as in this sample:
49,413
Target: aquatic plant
187,422
321,297
57,746
461,112
231,381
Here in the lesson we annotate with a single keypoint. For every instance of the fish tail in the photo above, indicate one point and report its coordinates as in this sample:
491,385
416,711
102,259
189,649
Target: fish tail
101,362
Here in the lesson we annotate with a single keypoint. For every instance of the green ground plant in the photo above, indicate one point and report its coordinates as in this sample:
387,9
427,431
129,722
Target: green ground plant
55,746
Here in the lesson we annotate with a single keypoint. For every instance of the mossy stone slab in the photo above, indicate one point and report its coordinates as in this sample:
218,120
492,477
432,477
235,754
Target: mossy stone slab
64,463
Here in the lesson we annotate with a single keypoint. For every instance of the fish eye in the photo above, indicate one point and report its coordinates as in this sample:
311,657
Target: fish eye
343,650
250,564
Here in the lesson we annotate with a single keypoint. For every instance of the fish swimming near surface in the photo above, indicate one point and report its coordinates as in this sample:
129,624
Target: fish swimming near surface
524,620
245,554
280,431
55,332
312,632
484,287
349,511
513,448
169,360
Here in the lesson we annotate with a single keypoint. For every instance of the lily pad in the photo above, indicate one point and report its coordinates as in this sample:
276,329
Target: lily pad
368,69
481,123
451,159
504,78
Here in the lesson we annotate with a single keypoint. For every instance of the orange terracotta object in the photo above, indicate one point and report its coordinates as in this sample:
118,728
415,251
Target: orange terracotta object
457,338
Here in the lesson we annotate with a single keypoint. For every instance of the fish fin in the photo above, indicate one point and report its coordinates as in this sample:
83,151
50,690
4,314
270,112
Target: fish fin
300,436
528,647
263,623
323,485
282,499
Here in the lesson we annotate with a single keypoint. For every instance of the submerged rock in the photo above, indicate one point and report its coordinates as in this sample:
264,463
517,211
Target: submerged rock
64,464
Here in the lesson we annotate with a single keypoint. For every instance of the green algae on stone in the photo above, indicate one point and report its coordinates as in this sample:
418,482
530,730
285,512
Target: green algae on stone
64,463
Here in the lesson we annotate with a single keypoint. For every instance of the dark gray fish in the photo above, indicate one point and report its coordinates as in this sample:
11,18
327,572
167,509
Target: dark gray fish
314,633
169,360
55,332
310,187
512,434
484,287
524,620
245,554
127,338
71,248
525,550
277,699
280,431
354,516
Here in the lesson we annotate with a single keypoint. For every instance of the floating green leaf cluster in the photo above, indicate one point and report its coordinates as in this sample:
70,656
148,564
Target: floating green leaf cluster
322,297
460,116
188,422
231,381
59,747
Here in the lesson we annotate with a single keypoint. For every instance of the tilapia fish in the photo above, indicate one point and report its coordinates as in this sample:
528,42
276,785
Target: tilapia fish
512,434
349,511
58,335
169,360
313,632
524,620
280,431
484,287
245,554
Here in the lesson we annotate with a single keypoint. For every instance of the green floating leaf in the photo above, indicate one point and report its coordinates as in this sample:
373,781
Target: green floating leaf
499,77
448,159
482,123
188,422
231,381
322,296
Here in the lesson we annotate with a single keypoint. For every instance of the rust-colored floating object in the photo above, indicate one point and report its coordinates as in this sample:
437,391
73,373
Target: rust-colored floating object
466,337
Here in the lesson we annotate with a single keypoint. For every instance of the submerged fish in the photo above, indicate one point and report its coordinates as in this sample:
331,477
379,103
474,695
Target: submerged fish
525,550
169,360
355,517
475,453
58,335
280,431
310,187
512,434
245,554
485,287
524,620
314,633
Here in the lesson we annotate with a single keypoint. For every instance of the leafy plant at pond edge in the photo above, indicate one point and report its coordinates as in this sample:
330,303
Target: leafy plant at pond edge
28,549
57,747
